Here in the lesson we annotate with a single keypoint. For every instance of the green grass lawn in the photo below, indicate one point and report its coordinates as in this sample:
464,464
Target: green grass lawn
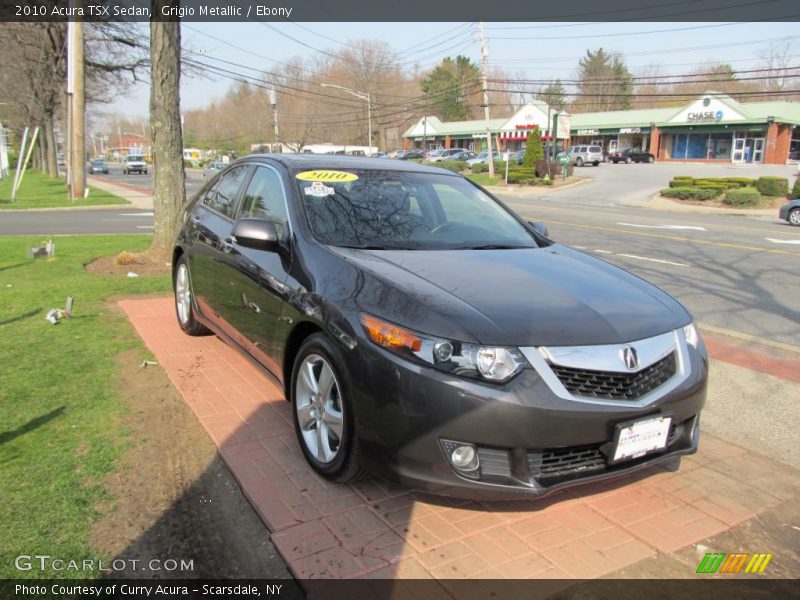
40,191
484,179
61,419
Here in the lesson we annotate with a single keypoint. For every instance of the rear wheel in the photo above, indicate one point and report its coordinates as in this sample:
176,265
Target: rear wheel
794,217
184,305
596,163
322,410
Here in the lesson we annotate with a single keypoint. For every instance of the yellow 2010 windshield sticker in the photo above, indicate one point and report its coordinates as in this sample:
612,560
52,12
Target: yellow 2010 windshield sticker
328,176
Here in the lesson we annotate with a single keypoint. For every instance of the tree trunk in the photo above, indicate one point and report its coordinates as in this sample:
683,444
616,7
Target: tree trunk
50,158
169,189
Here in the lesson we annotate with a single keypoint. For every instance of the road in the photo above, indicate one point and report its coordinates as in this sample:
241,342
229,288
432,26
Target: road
194,179
734,273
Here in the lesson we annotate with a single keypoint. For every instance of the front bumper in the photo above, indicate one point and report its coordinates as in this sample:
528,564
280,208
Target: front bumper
530,441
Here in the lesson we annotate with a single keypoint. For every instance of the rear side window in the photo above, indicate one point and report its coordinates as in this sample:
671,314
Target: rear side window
223,200
595,149
264,199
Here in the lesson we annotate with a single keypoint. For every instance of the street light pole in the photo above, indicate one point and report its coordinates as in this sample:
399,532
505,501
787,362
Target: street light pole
363,96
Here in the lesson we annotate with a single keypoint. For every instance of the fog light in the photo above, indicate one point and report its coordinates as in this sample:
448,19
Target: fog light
463,457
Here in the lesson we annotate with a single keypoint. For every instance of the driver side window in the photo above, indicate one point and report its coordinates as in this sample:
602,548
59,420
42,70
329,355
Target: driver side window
264,199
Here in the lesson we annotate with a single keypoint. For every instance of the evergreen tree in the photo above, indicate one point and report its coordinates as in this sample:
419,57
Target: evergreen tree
450,84
605,83
534,151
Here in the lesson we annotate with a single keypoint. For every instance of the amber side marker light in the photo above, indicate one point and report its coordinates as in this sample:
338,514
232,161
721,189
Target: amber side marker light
390,335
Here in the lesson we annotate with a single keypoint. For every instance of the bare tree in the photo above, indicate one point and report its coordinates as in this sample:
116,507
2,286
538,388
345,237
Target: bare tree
781,67
169,185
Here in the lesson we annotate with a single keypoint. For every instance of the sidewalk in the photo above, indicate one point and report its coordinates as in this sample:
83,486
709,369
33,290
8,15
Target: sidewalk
375,529
138,197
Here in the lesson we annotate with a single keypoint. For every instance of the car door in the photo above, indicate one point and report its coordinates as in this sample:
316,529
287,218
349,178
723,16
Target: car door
212,223
258,276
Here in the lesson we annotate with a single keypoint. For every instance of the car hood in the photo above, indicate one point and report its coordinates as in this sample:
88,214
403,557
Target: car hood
551,296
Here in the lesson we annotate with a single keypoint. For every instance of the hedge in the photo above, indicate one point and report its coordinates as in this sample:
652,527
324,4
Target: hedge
499,167
452,165
773,186
746,196
691,193
796,188
722,183
521,175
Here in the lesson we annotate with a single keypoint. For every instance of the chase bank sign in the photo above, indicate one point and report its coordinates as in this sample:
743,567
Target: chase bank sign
708,115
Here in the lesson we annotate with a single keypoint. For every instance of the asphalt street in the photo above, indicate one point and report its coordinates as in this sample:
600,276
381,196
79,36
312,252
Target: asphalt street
194,179
731,272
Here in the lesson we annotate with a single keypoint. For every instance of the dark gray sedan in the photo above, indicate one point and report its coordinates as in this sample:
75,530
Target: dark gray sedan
424,332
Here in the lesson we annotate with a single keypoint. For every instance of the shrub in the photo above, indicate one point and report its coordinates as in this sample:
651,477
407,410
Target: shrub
534,151
796,188
773,186
453,165
125,258
521,175
544,167
480,168
746,196
691,193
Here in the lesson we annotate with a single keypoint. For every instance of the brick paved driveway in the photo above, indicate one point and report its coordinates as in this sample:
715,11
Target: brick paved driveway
377,530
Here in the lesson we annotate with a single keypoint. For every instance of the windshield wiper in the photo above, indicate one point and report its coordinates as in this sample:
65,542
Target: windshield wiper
493,247
368,247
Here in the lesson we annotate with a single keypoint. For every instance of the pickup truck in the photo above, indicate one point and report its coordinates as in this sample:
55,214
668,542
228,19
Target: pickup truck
134,164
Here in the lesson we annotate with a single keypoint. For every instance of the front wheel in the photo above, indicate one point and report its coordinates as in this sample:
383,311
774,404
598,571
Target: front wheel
322,411
184,305
579,162
650,159
627,161
794,217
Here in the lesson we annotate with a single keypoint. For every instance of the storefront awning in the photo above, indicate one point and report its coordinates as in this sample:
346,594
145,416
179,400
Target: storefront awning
519,134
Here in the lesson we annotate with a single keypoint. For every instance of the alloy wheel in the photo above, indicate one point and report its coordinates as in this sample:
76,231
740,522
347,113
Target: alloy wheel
794,216
183,294
319,407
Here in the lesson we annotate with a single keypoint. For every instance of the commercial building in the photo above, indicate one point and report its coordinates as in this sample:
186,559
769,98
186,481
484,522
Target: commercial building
712,128
512,132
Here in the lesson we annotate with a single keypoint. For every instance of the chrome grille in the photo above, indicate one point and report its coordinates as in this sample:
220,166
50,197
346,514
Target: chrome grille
613,385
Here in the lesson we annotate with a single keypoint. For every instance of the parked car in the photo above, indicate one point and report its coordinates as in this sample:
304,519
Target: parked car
465,155
431,155
517,157
380,155
213,168
134,164
629,155
791,212
443,155
424,332
98,166
483,158
411,154
583,155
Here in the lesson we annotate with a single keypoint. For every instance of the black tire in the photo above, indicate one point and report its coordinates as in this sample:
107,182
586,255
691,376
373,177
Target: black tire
345,467
579,162
190,325
793,218
596,163
628,161
651,159
124,172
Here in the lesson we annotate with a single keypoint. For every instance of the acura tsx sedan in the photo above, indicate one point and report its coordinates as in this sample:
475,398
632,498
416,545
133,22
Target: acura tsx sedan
425,333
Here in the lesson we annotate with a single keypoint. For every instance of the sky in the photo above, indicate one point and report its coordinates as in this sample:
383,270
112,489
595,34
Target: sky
540,50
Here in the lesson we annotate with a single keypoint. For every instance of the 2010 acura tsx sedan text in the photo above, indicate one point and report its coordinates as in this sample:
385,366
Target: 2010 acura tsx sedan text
424,332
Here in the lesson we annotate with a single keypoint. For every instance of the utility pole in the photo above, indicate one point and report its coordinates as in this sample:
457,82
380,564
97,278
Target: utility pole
77,91
485,85
273,100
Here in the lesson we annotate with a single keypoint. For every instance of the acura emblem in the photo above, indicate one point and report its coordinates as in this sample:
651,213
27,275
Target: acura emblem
630,358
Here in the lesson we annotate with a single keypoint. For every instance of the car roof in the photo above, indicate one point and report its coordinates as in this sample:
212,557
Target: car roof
338,161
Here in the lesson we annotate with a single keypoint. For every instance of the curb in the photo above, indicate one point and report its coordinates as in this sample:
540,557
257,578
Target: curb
497,189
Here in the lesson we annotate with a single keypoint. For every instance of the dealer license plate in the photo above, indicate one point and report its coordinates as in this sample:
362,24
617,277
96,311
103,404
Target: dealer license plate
638,438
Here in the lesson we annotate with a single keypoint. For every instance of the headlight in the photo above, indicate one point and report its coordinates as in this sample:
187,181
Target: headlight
498,364
691,335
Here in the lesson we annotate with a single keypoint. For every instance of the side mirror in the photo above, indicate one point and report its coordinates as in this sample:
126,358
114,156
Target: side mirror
257,234
540,227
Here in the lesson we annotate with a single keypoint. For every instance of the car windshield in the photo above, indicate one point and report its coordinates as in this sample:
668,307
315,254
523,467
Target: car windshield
134,158
392,210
